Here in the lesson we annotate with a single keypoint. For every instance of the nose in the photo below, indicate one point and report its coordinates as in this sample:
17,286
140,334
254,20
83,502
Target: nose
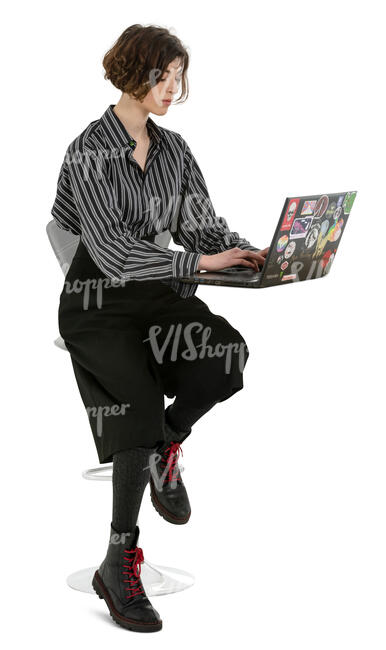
172,88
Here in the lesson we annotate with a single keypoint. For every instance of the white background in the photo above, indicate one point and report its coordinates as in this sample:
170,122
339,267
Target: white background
287,479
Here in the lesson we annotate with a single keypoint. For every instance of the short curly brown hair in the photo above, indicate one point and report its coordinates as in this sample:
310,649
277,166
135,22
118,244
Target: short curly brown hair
140,57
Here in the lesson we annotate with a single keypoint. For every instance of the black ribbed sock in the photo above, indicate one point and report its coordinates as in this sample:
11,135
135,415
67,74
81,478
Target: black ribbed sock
131,474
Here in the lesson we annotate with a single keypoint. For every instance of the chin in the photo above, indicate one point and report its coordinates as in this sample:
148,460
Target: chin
159,110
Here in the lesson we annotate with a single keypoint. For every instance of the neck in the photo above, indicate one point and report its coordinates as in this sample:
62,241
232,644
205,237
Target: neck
133,116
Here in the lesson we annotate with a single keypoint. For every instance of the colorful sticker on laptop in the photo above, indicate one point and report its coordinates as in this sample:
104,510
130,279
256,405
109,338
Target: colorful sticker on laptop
348,202
322,241
300,227
284,266
312,235
321,206
282,243
289,276
340,200
331,210
329,263
325,259
290,214
335,230
308,208
328,260
279,259
290,249
324,227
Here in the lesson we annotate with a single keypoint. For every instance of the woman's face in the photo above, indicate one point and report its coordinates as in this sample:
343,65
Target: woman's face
160,96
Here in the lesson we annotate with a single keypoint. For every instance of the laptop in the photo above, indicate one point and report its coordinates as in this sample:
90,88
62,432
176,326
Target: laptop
303,247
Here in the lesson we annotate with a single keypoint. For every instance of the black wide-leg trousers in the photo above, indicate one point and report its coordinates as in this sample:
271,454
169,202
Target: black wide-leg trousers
131,343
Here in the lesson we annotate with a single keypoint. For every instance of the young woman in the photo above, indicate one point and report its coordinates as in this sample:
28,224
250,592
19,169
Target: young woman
134,331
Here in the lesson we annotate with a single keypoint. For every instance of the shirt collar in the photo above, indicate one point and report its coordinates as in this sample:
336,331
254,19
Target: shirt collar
116,134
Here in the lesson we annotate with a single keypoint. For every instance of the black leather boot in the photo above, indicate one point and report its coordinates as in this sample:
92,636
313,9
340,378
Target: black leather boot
118,581
167,490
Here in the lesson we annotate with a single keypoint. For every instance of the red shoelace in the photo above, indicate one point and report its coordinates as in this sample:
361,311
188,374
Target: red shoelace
170,458
134,559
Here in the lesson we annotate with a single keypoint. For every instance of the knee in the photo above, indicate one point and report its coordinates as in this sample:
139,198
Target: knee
244,346
227,376
239,348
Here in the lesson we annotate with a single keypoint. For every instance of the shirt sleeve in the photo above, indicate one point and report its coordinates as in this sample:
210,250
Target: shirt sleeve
64,208
198,228
105,233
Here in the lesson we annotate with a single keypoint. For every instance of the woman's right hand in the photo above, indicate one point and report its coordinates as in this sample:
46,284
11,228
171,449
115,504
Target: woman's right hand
232,257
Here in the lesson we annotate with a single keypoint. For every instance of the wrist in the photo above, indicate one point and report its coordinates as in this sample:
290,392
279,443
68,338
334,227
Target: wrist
201,262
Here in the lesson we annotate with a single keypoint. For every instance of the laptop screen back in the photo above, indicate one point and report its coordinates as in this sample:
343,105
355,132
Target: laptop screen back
307,237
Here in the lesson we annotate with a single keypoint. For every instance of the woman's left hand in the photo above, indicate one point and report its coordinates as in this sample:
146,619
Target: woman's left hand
264,253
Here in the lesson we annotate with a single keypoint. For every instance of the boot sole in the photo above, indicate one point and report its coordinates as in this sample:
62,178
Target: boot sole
165,514
127,623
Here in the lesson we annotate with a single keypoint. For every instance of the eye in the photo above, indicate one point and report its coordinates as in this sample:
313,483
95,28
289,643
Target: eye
178,80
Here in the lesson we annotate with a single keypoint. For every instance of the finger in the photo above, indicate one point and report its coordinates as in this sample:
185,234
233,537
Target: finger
251,255
243,262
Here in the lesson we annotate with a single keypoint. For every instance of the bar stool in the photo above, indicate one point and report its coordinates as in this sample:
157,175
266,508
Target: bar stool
157,580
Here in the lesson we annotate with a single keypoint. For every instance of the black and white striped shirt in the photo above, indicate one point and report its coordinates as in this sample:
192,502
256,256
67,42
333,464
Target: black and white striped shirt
104,196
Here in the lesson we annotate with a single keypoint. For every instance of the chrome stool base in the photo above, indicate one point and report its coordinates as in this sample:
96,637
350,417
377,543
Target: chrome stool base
157,580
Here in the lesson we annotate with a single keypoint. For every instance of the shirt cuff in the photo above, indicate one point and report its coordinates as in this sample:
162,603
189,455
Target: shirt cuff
184,263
